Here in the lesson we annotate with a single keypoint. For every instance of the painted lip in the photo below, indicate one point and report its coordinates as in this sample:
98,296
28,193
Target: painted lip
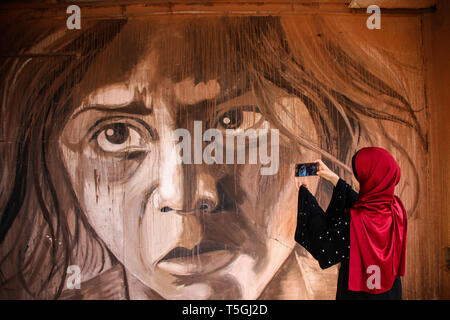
205,257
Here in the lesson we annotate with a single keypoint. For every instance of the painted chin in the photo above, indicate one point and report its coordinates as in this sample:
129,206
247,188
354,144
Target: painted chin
205,258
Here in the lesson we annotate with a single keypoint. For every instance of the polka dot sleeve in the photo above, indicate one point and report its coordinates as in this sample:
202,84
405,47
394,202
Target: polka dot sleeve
325,235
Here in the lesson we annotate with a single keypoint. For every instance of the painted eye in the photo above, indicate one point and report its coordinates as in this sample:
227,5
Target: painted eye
231,119
117,133
118,137
238,118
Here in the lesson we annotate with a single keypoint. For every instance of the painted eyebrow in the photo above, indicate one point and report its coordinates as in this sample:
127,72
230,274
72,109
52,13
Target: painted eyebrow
233,102
246,107
134,107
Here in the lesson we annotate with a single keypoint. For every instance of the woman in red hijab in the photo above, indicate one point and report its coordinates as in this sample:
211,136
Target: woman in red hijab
365,232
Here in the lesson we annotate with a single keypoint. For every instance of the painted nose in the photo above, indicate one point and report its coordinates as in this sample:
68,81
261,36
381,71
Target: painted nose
183,188
200,198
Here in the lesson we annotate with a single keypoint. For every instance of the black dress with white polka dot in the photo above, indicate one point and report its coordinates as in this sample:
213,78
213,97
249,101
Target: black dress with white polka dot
326,235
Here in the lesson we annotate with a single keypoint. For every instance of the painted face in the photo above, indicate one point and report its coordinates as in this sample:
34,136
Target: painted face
187,231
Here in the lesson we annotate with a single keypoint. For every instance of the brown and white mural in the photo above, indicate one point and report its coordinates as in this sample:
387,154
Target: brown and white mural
92,184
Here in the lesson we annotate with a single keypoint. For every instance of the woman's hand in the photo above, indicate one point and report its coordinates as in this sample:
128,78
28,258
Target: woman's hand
324,172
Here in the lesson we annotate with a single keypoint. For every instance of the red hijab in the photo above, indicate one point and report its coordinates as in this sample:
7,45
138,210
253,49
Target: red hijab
378,224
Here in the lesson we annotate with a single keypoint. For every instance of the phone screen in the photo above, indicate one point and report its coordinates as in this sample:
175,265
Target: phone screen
306,169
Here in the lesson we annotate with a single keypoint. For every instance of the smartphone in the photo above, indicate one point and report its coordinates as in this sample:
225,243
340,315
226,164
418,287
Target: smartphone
306,169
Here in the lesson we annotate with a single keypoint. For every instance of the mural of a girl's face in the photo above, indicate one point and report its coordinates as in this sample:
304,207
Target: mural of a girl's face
187,231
